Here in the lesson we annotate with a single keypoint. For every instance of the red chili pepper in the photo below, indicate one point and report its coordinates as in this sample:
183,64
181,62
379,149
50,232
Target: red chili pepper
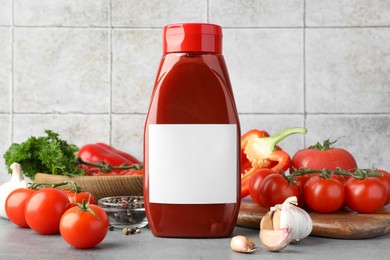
261,151
106,155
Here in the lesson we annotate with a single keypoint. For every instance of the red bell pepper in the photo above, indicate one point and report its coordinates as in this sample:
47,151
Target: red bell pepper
106,157
260,151
246,165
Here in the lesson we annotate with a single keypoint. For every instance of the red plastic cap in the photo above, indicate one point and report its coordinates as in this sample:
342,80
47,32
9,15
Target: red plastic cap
192,37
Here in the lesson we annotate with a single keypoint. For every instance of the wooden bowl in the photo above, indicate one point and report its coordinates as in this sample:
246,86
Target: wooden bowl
99,186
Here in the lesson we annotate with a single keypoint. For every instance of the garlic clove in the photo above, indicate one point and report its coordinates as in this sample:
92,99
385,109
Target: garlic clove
266,221
275,240
242,244
276,219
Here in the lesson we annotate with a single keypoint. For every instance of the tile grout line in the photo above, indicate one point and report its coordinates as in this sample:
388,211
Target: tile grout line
110,69
304,71
240,113
225,27
208,11
12,87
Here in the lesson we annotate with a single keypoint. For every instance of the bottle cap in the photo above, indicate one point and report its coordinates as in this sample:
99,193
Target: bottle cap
192,37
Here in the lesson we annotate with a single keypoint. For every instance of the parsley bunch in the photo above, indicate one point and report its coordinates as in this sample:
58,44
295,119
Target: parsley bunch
46,154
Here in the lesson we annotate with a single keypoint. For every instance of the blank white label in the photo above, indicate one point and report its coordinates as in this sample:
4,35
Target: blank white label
193,164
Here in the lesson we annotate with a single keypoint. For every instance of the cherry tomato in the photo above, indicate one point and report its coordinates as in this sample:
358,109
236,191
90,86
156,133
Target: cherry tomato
386,181
78,197
82,229
340,178
324,195
15,205
255,182
366,196
319,159
44,210
300,181
275,189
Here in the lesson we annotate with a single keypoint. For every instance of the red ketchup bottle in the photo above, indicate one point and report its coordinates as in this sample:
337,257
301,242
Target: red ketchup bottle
192,138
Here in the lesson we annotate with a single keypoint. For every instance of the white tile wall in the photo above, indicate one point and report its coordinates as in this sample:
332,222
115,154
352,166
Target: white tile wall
62,13
86,69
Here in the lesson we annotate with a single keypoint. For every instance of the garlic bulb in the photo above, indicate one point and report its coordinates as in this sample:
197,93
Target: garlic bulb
17,181
289,215
285,223
242,244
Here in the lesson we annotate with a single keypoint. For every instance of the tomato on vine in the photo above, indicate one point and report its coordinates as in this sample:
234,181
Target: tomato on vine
365,195
44,210
15,206
324,195
78,197
385,178
255,182
84,226
276,188
300,181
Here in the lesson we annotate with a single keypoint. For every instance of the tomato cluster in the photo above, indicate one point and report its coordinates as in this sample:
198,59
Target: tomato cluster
324,179
323,191
51,211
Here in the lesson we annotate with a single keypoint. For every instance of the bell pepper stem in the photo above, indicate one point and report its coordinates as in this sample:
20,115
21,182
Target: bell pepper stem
273,140
259,150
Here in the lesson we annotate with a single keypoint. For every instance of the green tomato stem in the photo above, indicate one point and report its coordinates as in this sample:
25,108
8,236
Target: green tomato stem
38,185
325,173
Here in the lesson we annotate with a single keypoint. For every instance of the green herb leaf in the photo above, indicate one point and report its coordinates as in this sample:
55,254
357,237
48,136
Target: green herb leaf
47,154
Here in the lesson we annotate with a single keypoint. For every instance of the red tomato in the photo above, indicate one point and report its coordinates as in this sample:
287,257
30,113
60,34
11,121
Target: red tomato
275,189
386,181
44,210
324,195
340,178
255,182
300,181
78,197
319,159
366,196
81,229
15,205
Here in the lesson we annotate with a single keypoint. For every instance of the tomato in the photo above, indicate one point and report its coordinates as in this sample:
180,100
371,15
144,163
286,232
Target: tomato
330,159
44,210
386,181
300,181
365,195
15,205
78,197
324,195
340,178
275,189
255,182
81,229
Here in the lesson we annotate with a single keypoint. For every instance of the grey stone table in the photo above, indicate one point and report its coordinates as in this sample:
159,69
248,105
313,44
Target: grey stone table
18,243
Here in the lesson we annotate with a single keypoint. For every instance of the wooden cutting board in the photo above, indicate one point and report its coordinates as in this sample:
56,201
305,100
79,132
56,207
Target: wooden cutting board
344,224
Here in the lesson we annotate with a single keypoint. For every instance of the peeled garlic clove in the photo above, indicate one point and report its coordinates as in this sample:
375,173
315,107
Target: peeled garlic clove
276,219
275,240
242,244
266,221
